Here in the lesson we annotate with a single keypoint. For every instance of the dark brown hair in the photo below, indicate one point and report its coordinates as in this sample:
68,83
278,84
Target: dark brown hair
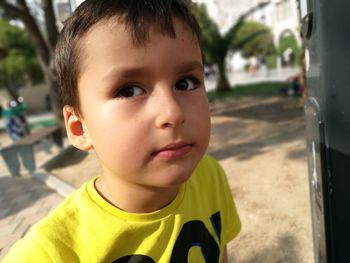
137,15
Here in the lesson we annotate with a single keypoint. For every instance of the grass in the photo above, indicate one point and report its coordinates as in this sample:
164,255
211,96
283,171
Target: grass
261,89
36,125
43,124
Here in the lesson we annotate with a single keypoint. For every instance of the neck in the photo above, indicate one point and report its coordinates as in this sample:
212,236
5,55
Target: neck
134,198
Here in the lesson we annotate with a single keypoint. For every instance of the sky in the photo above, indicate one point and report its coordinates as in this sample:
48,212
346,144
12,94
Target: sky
226,12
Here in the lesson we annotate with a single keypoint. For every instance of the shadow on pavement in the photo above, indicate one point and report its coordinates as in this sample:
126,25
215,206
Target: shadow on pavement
273,111
67,158
17,194
246,132
285,250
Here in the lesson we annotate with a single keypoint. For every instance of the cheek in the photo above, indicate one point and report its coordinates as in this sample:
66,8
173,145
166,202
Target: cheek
117,148
201,120
206,128
116,135
201,110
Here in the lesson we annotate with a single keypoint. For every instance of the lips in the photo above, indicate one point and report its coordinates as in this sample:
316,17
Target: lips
173,150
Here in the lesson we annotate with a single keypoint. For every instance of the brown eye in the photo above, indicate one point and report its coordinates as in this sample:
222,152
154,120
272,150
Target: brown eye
186,84
130,91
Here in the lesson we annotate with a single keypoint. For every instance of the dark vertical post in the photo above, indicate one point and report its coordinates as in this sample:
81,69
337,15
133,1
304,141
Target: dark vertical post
326,33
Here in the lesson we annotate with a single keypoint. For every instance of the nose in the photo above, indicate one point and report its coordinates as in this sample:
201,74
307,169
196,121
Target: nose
169,112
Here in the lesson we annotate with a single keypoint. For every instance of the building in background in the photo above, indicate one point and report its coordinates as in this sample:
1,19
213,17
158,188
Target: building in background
281,16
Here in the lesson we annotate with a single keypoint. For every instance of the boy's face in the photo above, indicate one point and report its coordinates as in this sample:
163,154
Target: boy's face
144,107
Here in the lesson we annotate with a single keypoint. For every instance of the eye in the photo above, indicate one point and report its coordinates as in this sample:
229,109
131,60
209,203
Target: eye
130,91
187,84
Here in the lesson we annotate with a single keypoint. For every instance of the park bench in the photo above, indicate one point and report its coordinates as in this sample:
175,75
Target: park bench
24,148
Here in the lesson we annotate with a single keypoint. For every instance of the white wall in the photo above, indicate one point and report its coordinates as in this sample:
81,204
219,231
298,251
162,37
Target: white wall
34,97
280,16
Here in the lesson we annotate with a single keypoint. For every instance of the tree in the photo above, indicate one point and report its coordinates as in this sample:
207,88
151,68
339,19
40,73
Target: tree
18,62
216,46
260,45
288,41
43,42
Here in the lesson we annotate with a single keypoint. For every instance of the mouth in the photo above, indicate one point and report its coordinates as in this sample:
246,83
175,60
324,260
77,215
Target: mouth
173,150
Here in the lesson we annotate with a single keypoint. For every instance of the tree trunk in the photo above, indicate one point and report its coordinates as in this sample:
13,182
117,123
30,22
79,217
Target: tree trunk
40,45
222,82
50,22
12,91
43,48
55,102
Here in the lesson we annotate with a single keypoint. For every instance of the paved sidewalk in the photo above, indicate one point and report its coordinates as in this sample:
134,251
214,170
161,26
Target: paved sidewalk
23,201
242,77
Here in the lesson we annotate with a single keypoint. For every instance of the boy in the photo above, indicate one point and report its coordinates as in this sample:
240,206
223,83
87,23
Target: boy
131,74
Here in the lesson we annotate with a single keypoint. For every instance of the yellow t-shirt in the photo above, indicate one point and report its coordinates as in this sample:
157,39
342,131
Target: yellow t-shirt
194,227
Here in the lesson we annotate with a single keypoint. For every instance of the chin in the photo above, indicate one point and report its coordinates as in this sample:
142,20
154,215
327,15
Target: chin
176,173
178,177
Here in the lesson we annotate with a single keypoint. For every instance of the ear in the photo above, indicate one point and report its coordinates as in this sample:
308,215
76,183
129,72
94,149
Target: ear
76,129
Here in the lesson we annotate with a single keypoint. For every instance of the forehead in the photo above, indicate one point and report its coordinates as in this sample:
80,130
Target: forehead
112,36
141,31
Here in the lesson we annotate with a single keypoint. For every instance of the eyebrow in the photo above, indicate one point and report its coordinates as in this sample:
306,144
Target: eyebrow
190,66
126,73
145,71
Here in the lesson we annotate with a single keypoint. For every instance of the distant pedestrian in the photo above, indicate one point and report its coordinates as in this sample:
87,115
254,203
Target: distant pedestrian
15,120
263,66
253,66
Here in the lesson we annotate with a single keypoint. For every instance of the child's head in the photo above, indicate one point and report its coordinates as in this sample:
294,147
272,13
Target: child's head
136,67
136,15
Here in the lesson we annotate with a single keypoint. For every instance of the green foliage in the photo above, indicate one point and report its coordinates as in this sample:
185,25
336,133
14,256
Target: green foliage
18,62
289,41
211,37
216,46
263,89
254,39
271,61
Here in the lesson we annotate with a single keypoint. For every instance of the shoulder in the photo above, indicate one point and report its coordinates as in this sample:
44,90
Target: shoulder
28,249
208,170
52,233
210,182
65,218
66,211
208,163
210,179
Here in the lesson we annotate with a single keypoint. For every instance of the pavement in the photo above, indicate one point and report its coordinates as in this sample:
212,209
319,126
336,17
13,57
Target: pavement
26,199
23,201
242,77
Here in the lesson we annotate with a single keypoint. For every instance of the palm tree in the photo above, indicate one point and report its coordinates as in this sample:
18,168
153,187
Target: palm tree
216,46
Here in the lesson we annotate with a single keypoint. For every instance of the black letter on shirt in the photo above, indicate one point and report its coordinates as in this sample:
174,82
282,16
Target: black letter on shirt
134,259
216,222
194,233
